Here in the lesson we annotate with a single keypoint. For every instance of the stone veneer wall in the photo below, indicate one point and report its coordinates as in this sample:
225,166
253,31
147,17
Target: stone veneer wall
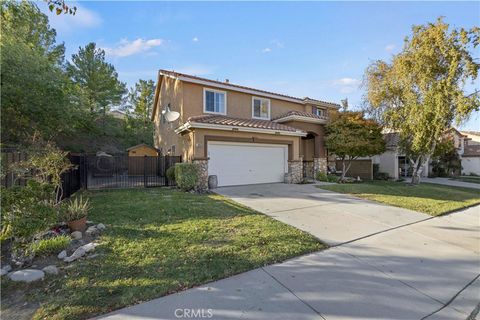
308,170
319,165
295,171
202,167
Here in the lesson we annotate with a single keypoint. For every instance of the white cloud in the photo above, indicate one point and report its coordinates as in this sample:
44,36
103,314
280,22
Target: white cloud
127,48
66,23
195,39
266,50
389,47
346,85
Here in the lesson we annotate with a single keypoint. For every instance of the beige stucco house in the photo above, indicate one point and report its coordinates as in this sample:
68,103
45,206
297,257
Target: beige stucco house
240,134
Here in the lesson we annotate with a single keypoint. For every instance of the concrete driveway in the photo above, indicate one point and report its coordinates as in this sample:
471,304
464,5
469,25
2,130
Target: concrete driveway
387,263
332,217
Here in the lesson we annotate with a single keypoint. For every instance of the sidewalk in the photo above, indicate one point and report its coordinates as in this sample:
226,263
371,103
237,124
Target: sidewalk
453,183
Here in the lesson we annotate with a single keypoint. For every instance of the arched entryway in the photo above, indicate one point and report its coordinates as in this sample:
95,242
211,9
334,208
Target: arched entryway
308,151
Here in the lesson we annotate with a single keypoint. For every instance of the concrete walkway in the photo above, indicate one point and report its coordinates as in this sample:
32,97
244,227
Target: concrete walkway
452,183
387,263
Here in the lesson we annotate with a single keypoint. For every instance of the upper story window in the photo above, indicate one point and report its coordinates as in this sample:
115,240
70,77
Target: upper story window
319,112
260,108
214,101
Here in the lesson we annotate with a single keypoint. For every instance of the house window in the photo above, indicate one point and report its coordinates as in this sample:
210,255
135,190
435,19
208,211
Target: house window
319,112
173,150
260,108
214,101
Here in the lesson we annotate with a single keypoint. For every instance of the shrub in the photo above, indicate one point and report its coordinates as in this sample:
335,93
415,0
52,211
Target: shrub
76,209
186,176
50,245
321,176
332,178
27,210
381,176
171,173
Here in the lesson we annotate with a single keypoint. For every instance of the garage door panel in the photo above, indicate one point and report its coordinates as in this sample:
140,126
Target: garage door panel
242,163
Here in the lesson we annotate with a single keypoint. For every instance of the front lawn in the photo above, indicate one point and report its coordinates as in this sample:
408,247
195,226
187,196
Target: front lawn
159,241
433,199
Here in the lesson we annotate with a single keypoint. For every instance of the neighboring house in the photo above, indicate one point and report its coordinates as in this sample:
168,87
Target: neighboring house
243,135
471,153
473,137
393,161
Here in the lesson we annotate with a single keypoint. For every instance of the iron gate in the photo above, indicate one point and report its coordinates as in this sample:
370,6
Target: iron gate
105,171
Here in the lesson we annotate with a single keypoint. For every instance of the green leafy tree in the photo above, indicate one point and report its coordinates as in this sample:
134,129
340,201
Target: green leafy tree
96,79
141,98
139,109
349,136
420,93
32,80
445,158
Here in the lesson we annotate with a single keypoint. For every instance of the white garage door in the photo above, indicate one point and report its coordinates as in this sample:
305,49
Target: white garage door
247,163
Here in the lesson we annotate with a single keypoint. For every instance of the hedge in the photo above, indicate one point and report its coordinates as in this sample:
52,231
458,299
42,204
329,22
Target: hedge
186,176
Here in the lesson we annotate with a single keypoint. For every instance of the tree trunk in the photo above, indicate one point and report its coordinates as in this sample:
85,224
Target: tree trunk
417,164
343,170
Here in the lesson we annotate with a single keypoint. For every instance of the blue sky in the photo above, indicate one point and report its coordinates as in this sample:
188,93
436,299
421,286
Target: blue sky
315,49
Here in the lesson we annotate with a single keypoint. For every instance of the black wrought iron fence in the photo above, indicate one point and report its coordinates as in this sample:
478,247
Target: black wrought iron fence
105,171
100,171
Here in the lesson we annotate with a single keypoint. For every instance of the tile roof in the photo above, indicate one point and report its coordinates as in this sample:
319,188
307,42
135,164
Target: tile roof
475,133
301,114
471,151
237,122
177,74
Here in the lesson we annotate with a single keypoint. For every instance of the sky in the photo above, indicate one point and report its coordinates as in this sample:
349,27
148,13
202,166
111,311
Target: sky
314,49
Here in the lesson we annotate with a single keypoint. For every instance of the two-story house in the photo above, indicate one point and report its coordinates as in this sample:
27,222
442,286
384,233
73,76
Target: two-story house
242,135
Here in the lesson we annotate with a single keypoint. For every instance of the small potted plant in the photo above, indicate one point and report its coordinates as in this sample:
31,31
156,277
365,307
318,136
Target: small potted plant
76,212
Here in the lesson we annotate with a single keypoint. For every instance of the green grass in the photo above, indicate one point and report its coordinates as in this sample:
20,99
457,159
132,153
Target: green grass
471,179
50,245
428,198
159,241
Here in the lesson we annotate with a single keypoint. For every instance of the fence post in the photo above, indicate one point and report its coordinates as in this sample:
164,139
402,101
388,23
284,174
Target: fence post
145,171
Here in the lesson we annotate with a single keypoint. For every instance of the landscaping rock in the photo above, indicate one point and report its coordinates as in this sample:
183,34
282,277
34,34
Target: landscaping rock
101,226
52,269
89,247
80,252
5,269
77,235
62,255
27,275
91,231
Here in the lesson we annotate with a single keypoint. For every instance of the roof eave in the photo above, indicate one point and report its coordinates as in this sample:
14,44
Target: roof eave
229,86
301,118
192,125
